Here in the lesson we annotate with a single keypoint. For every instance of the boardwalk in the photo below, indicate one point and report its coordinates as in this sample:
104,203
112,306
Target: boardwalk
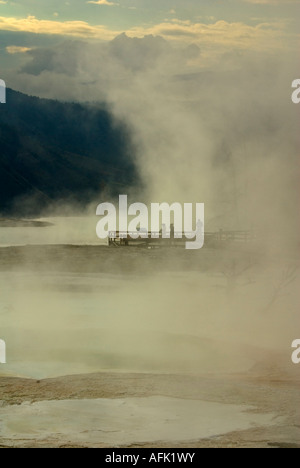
122,238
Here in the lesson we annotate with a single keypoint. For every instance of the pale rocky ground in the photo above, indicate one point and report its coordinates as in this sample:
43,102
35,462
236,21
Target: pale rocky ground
278,400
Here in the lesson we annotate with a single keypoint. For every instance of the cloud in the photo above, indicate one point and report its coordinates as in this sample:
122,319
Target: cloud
220,34
32,24
103,2
123,54
17,50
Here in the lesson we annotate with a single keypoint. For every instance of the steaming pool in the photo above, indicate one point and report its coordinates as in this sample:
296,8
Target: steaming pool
126,421
76,316
62,322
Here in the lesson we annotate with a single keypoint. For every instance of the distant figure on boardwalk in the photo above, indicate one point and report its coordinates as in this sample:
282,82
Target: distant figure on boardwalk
172,231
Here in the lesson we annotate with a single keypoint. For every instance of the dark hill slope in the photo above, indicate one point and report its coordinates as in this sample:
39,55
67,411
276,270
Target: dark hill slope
51,150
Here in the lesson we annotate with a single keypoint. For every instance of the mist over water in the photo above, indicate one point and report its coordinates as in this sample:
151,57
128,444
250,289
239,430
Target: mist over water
76,230
225,134
145,311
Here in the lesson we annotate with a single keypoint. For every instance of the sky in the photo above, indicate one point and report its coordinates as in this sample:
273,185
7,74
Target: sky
204,87
253,25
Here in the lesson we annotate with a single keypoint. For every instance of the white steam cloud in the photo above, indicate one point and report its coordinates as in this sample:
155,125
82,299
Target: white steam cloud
224,133
221,133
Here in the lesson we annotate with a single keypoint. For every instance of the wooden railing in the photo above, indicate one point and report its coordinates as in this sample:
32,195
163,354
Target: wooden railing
218,236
